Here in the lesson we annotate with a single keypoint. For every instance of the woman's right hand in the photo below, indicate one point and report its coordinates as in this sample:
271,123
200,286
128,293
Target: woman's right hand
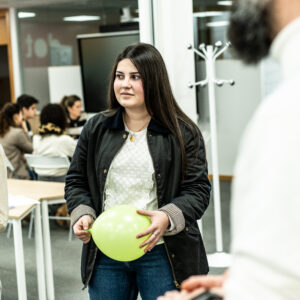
81,226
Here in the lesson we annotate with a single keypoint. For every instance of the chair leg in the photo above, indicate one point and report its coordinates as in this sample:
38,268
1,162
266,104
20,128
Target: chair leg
70,233
31,225
9,230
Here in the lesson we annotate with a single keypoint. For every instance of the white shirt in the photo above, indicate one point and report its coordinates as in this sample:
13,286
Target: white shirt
53,145
266,191
131,178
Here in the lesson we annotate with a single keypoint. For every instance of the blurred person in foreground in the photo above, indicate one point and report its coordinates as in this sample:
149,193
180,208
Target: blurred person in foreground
266,194
3,196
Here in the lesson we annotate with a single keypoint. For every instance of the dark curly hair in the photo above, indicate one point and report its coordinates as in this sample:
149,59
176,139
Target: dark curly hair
53,113
6,117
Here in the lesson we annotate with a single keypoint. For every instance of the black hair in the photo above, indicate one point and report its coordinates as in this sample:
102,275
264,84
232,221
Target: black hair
53,113
26,101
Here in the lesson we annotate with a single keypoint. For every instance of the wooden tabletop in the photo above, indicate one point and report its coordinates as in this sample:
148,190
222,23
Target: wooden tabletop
38,190
20,211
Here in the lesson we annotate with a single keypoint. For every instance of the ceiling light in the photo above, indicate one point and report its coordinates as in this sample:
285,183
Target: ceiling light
217,24
25,14
225,3
205,14
81,18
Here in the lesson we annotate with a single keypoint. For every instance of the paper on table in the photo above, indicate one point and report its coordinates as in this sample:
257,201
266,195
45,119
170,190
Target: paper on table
19,200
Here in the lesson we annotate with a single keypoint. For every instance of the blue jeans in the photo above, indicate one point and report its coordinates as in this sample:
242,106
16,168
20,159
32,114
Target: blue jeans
150,275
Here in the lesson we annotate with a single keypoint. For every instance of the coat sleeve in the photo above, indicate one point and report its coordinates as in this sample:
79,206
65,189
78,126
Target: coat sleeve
77,191
194,194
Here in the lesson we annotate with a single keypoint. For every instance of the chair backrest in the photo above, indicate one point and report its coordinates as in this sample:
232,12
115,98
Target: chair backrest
47,162
10,166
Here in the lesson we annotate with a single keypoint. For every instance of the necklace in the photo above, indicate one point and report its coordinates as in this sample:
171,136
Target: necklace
132,137
131,133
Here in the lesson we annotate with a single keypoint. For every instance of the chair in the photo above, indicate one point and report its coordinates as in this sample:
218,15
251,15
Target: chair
12,169
47,162
35,161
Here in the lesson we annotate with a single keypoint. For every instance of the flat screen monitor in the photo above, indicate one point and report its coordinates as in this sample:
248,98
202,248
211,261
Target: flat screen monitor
97,53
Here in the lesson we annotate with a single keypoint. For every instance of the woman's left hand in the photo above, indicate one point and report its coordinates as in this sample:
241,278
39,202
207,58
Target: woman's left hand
160,222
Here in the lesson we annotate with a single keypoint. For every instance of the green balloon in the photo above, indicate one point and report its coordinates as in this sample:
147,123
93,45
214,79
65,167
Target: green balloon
115,230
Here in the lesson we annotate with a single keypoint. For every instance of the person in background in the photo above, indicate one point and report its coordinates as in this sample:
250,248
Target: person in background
27,105
53,141
146,152
14,139
265,199
73,108
3,197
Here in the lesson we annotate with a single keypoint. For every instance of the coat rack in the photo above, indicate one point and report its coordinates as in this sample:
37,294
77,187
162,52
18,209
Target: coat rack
210,53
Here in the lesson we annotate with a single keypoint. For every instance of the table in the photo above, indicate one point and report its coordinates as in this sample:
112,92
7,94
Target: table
47,193
15,216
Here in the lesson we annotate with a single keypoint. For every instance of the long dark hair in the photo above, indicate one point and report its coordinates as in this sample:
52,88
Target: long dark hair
159,100
6,117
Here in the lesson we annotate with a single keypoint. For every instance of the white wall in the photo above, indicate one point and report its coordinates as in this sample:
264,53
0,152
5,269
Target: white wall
36,83
235,106
173,31
64,80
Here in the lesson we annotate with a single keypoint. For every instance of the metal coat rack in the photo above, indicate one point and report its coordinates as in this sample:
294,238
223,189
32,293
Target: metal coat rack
210,53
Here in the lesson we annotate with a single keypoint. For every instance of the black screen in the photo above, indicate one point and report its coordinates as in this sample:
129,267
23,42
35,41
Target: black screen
97,56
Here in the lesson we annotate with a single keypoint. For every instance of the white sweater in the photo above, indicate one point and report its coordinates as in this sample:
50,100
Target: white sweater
53,145
266,191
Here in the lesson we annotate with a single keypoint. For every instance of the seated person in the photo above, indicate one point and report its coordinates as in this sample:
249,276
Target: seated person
27,105
14,139
52,141
75,118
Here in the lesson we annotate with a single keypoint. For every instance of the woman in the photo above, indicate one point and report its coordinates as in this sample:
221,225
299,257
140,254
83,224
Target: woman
52,141
146,152
73,106
14,139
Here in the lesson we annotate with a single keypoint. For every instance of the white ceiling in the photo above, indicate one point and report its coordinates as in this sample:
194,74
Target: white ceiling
68,4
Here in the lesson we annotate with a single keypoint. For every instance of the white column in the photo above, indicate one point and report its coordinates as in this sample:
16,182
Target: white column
173,32
146,21
15,52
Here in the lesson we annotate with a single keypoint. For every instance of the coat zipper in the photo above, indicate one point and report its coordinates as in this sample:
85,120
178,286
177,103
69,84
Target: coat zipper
172,268
173,273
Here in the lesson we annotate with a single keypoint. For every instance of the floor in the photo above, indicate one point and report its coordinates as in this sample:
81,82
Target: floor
66,256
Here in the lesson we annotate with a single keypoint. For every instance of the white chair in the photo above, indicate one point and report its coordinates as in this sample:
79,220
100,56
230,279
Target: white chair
35,161
12,169
47,162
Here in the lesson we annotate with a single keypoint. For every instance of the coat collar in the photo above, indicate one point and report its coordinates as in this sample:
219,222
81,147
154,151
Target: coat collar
116,122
